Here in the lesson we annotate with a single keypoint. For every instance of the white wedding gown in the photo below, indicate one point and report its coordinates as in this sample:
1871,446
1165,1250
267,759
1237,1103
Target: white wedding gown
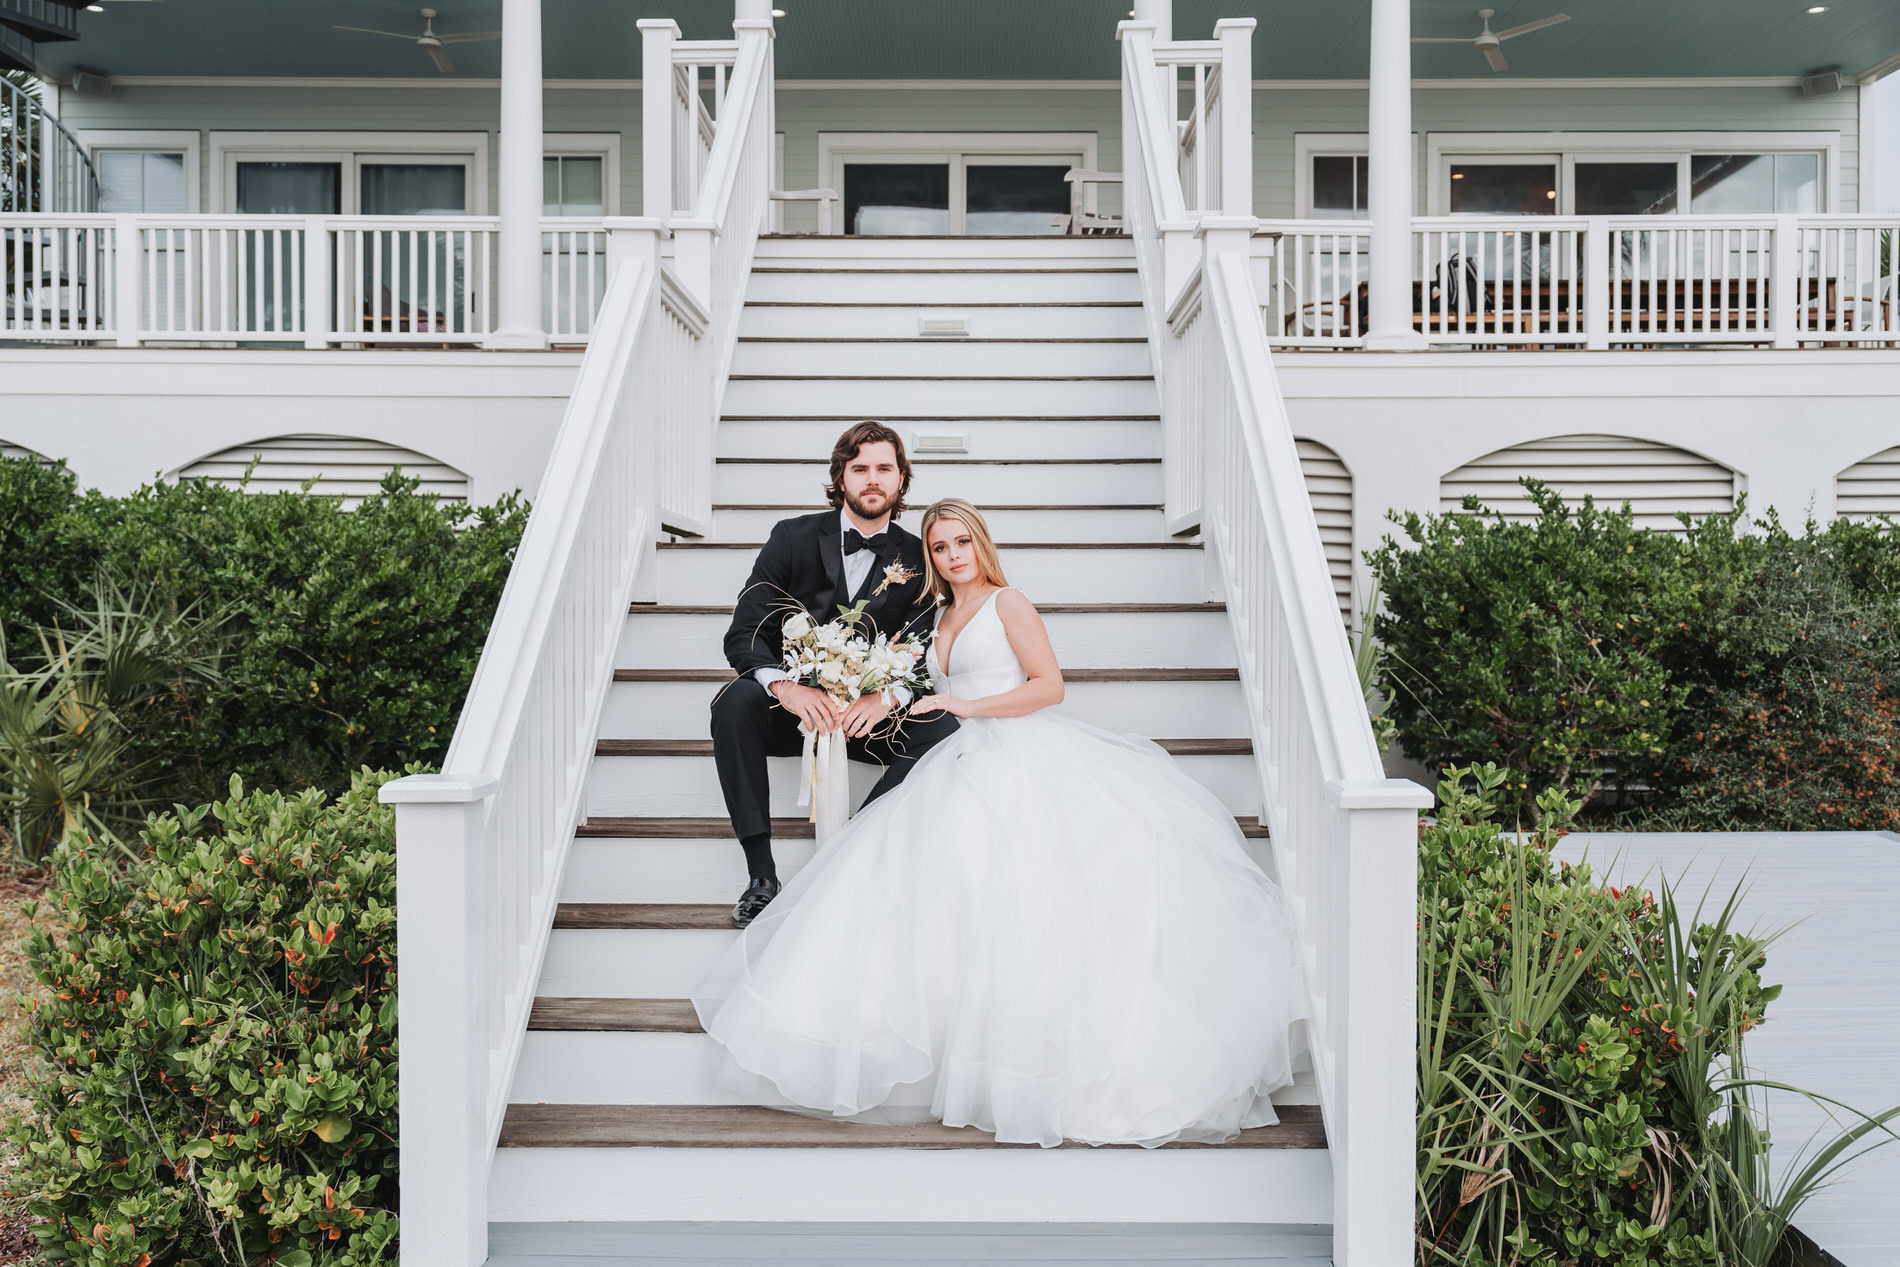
1047,931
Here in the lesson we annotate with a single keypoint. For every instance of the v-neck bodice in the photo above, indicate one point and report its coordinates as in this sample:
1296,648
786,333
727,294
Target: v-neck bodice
985,662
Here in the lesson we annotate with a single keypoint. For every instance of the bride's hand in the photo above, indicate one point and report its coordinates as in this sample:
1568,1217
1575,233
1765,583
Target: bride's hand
939,703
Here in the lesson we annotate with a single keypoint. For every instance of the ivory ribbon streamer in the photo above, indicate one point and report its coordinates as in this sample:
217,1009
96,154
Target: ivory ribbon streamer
824,782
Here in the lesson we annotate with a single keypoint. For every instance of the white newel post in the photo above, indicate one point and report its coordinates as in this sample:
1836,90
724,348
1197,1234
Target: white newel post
1375,986
518,246
442,1011
1389,178
1596,283
1784,282
657,37
1236,115
128,254
316,282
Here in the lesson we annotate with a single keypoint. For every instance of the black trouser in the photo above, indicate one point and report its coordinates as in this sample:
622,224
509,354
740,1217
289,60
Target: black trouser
748,726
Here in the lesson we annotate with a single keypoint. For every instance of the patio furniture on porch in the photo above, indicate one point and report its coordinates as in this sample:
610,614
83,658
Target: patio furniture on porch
823,197
1081,222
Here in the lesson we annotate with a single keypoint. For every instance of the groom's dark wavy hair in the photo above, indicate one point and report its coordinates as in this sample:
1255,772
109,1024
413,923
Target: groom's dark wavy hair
855,438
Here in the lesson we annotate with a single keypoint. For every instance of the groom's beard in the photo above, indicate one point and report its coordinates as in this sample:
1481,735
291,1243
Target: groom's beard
863,511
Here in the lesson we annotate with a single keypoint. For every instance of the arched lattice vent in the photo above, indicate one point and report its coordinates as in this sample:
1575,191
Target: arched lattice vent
1869,487
10,450
1329,484
1656,479
341,465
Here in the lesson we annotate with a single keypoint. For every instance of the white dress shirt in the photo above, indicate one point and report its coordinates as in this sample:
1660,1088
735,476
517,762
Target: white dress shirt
857,566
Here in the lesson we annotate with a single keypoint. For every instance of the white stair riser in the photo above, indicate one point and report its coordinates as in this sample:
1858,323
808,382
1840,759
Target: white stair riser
1170,710
667,870
1082,640
839,251
673,870
957,397
960,1185
1070,484
812,438
630,963
1006,525
699,576
669,787
864,286
582,1067
948,358
902,321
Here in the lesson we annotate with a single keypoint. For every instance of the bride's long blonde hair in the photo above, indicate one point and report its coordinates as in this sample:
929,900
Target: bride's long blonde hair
988,564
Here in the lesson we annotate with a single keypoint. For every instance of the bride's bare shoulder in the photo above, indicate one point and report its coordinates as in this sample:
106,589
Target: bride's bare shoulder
1013,604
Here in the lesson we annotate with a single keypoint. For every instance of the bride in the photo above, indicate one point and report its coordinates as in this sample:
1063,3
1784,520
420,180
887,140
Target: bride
1047,931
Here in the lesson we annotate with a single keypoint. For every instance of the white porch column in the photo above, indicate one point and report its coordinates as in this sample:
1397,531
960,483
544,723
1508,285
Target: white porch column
1159,12
1389,178
518,319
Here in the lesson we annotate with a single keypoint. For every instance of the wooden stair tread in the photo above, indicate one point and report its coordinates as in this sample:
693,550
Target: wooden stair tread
628,828
1047,609
942,303
928,338
935,418
754,1126
1068,675
812,510
934,461
703,747
869,272
644,1016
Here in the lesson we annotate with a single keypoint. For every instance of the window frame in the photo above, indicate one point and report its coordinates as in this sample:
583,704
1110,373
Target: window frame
958,149
1443,148
141,141
350,150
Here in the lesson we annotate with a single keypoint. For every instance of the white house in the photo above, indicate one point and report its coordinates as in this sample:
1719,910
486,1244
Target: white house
644,262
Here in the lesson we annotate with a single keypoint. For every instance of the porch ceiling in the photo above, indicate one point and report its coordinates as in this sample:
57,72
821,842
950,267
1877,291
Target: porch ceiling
989,39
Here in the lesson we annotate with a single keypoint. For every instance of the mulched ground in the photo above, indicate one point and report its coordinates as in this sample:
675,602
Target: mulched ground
17,887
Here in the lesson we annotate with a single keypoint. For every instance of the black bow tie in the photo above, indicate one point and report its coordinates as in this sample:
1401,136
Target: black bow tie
855,541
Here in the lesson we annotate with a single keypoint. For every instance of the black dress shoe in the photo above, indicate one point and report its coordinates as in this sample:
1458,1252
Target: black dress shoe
757,896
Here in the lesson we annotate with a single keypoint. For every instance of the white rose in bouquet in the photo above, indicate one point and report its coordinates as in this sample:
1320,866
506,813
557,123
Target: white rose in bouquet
797,626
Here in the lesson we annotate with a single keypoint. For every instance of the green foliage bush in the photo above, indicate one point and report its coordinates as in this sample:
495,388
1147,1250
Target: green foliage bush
353,633
219,1022
1555,1120
1734,674
39,560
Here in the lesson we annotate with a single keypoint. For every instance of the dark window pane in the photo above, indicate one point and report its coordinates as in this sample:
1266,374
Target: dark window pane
1339,187
1007,199
1507,189
1626,189
897,198
310,189
414,189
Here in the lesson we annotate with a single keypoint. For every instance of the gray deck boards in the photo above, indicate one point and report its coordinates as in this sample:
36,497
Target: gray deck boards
1836,1027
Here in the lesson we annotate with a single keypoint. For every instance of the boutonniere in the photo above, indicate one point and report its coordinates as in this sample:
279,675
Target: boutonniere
895,574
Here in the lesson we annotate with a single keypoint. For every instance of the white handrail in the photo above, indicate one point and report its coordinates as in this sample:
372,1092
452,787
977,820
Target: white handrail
1344,837
481,846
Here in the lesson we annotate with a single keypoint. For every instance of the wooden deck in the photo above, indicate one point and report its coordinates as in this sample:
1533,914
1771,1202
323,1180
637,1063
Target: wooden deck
1836,1027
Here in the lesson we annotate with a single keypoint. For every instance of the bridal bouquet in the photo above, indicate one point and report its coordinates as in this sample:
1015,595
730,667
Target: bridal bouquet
846,665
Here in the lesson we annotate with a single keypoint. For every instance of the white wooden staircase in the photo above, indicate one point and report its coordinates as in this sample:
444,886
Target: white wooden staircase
564,881
614,1115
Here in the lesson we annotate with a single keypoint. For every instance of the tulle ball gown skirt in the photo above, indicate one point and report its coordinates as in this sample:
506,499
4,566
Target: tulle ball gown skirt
1048,932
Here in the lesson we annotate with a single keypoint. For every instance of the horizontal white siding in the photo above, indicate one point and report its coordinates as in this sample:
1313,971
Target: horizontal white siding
1279,115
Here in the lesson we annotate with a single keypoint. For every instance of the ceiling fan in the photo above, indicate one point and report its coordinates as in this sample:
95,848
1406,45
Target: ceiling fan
1487,40
429,42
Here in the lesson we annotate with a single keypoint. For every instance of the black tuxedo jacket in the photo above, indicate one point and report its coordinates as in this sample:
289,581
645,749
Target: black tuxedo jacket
803,563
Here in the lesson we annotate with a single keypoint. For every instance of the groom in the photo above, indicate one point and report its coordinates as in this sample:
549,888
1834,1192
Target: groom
820,562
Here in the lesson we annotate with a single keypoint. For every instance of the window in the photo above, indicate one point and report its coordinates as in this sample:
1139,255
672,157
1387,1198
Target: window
931,183
1625,189
1339,186
1745,184
1513,188
142,181
573,185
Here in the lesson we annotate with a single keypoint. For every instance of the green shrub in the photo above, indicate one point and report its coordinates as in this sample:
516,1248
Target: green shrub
1553,1124
1792,716
39,559
219,1026
1534,645
354,634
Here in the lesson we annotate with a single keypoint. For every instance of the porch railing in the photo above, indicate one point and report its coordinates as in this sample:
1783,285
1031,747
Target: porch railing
481,846
1344,837
313,281
1594,281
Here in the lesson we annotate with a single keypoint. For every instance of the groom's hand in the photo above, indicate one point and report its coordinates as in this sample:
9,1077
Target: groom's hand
864,714
807,703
